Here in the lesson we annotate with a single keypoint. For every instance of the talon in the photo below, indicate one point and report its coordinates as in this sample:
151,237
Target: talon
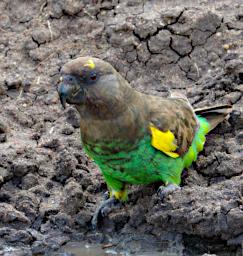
103,210
106,195
164,191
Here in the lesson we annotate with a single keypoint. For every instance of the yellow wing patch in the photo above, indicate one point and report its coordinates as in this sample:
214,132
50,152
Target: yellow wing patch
164,141
90,64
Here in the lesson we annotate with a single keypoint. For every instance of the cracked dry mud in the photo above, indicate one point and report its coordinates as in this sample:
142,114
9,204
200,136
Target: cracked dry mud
50,189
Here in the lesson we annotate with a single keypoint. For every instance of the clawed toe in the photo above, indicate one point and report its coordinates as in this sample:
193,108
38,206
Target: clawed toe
163,191
103,210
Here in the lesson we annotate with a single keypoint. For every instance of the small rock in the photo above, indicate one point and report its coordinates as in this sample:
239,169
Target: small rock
62,221
13,82
137,216
55,242
40,53
72,8
29,44
23,118
56,9
49,141
64,166
21,167
131,56
145,28
43,35
120,219
8,214
40,190
160,42
35,234
51,205
73,197
5,175
30,180
95,237
19,236
181,44
237,25
39,248
28,203
49,118
83,218
67,129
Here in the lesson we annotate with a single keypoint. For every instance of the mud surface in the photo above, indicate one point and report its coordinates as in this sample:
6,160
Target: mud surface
50,189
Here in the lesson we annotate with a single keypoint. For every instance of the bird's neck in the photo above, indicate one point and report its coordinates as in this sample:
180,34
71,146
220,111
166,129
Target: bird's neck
122,121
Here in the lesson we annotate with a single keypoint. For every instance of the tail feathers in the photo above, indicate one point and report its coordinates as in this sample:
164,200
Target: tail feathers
214,115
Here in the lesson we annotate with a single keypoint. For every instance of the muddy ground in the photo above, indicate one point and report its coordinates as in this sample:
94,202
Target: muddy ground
50,189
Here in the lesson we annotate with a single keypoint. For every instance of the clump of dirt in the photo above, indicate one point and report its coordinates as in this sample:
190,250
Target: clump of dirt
50,188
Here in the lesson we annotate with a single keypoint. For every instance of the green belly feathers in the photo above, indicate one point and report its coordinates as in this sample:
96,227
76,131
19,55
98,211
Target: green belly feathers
142,163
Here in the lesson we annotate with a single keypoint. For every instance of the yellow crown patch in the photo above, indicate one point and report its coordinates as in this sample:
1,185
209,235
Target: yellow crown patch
90,64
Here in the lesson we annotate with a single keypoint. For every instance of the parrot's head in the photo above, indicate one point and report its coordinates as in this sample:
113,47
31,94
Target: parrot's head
93,86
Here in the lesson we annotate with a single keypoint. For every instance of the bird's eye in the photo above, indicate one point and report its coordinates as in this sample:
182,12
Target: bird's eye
93,76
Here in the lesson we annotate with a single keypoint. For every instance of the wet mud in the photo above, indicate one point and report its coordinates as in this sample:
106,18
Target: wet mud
49,188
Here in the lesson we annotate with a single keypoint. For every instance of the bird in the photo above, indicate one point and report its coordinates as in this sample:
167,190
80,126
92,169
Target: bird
134,138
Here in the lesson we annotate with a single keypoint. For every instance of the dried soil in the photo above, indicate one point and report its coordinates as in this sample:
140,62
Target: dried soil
50,188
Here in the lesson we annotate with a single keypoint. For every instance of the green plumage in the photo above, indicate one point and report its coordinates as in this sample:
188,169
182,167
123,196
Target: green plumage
143,164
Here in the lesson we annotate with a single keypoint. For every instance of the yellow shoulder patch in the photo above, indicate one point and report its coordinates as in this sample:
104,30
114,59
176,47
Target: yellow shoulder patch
164,141
90,64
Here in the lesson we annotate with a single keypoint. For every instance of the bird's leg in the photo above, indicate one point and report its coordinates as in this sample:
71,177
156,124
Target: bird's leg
104,208
117,193
167,189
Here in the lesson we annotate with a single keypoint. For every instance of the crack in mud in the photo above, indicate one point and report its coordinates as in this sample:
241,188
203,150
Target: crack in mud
49,189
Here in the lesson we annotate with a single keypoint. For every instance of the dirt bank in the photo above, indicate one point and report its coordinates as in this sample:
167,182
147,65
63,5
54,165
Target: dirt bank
50,189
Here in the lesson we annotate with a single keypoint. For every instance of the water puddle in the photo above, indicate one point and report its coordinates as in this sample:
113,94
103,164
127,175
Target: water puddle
81,249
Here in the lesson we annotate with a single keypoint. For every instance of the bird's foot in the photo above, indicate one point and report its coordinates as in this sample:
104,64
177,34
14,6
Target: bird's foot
165,190
104,208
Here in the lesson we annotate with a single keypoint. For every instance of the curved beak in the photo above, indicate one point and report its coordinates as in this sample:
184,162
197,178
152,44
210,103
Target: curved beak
64,91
